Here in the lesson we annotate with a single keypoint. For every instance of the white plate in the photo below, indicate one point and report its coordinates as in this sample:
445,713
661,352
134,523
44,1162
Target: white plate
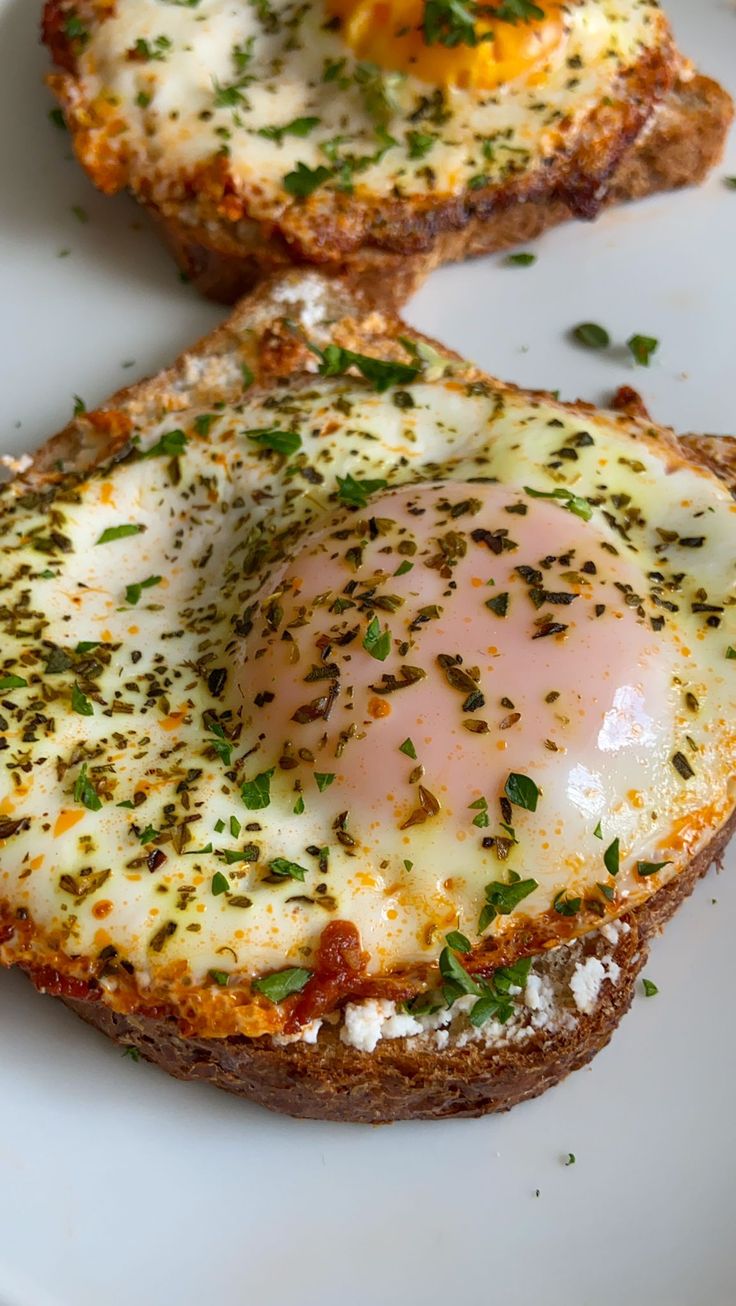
118,1185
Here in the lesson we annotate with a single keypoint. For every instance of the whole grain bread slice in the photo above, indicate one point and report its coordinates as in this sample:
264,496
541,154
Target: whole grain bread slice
682,144
414,1078
441,1072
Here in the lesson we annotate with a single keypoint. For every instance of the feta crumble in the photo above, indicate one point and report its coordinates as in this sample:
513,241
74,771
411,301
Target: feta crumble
586,982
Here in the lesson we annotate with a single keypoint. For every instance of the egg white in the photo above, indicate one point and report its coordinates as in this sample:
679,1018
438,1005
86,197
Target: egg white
222,521
197,98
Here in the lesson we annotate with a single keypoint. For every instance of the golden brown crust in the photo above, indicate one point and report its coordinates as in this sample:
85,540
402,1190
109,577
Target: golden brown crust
404,1079
718,453
683,143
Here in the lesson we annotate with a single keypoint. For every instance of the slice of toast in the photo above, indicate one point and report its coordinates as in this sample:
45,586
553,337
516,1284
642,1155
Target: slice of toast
682,144
664,127
375,1062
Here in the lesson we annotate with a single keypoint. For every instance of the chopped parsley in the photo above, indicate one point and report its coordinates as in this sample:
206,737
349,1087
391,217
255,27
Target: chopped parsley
502,899
650,868
565,905
573,502
453,22
420,143
302,181
642,348
496,997
382,373
285,442
12,682
250,853
355,493
256,793
457,941
456,980
220,745
156,50
119,532
297,127
287,870
499,604
482,820
408,748
220,883
203,423
377,642
85,792
591,335
284,982
323,779
650,988
522,791
80,702
171,445
521,260
611,858
133,592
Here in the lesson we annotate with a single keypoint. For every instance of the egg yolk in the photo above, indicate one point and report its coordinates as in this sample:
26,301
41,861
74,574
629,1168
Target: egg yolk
393,35
387,669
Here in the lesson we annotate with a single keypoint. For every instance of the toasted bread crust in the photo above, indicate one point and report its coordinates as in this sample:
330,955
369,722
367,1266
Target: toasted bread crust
683,143
400,1080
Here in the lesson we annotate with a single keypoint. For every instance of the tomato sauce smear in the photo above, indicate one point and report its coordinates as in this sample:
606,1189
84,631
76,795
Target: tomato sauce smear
339,966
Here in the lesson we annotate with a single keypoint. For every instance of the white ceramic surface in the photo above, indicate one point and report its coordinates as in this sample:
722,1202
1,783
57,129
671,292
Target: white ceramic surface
118,1185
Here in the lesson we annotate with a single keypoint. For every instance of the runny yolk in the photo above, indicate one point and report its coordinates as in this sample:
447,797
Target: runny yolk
391,34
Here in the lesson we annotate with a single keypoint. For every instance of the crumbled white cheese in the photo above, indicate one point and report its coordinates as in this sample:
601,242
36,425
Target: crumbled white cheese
309,293
541,1000
362,1022
541,1006
532,992
586,982
307,1034
367,1022
209,372
400,1025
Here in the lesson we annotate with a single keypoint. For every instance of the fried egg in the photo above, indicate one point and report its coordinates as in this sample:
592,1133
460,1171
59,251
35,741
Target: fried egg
442,656
310,116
